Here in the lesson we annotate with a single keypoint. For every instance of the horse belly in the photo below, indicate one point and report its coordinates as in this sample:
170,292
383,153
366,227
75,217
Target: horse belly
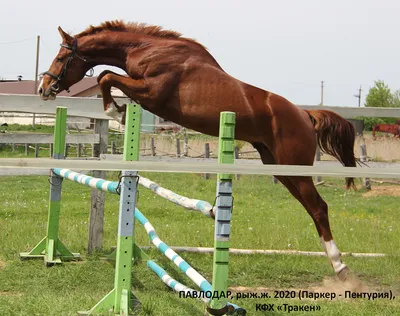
202,96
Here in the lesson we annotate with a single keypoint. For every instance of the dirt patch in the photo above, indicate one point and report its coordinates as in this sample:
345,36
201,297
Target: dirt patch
333,285
383,190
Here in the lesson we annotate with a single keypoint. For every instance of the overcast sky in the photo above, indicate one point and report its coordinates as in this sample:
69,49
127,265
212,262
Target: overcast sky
285,46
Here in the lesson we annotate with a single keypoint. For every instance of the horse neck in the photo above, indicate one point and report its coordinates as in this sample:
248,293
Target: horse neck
106,49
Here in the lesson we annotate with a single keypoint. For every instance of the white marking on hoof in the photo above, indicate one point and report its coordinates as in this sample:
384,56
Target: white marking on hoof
343,274
112,111
333,254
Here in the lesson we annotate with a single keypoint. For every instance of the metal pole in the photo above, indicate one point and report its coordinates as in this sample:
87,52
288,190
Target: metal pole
50,247
36,74
121,299
322,93
224,203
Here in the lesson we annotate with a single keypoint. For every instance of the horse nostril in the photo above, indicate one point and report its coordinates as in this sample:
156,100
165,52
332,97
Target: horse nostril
40,90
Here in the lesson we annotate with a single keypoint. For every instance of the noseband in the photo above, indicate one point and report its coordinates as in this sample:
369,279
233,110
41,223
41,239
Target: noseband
55,87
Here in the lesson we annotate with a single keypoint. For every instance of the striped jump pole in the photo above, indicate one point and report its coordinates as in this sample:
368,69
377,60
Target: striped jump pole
224,202
50,248
109,186
192,204
191,273
95,183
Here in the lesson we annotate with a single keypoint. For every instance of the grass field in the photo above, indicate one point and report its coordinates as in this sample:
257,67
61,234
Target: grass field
265,216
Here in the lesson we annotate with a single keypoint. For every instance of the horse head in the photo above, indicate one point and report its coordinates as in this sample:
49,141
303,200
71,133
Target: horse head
67,68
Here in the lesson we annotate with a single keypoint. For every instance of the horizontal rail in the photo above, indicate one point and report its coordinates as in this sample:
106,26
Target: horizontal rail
93,107
194,160
182,167
48,138
83,107
352,112
274,252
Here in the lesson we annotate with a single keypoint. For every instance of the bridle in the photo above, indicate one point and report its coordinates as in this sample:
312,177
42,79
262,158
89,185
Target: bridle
55,86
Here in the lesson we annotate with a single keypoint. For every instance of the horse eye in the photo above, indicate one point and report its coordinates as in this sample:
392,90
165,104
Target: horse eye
59,59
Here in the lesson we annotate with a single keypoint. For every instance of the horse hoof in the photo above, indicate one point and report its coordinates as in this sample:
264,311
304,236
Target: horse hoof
344,274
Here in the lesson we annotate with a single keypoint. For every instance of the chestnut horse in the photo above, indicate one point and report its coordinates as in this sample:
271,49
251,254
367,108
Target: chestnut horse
177,79
387,128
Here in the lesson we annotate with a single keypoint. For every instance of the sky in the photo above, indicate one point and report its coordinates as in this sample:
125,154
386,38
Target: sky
287,46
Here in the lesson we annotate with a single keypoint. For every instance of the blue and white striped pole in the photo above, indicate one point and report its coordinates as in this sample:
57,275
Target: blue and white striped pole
111,186
96,183
196,277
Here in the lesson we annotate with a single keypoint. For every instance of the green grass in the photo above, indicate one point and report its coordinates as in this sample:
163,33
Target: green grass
265,217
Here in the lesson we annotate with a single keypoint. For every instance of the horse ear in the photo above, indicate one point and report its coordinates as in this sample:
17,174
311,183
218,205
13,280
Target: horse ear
66,37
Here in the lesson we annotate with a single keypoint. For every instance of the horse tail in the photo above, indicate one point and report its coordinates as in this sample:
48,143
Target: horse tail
335,137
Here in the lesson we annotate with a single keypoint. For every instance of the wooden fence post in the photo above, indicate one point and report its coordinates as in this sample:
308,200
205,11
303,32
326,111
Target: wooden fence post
318,179
185,145
178,148
96,219
363,158
206,155
37,150
26,149
153,148
236,152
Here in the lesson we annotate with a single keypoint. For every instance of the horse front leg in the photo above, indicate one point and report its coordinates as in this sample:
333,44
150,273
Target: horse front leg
131,87
111,108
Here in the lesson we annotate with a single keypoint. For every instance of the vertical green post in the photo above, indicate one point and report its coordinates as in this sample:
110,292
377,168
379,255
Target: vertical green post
124,299
121,300
55,186
223,215
50,247
60,132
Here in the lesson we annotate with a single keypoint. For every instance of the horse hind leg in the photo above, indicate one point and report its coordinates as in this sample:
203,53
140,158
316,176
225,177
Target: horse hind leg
303,189
317,208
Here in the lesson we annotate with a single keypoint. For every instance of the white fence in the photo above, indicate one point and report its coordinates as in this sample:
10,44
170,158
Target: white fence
198,167
93,107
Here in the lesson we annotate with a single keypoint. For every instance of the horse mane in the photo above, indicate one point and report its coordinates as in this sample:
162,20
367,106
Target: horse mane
132,27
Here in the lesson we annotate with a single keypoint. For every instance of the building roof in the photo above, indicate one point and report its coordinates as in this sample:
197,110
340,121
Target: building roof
28,87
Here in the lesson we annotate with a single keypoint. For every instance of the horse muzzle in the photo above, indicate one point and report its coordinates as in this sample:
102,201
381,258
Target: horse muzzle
50,93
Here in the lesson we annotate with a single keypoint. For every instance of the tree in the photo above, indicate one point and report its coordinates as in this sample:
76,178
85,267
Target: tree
396,99
380,96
